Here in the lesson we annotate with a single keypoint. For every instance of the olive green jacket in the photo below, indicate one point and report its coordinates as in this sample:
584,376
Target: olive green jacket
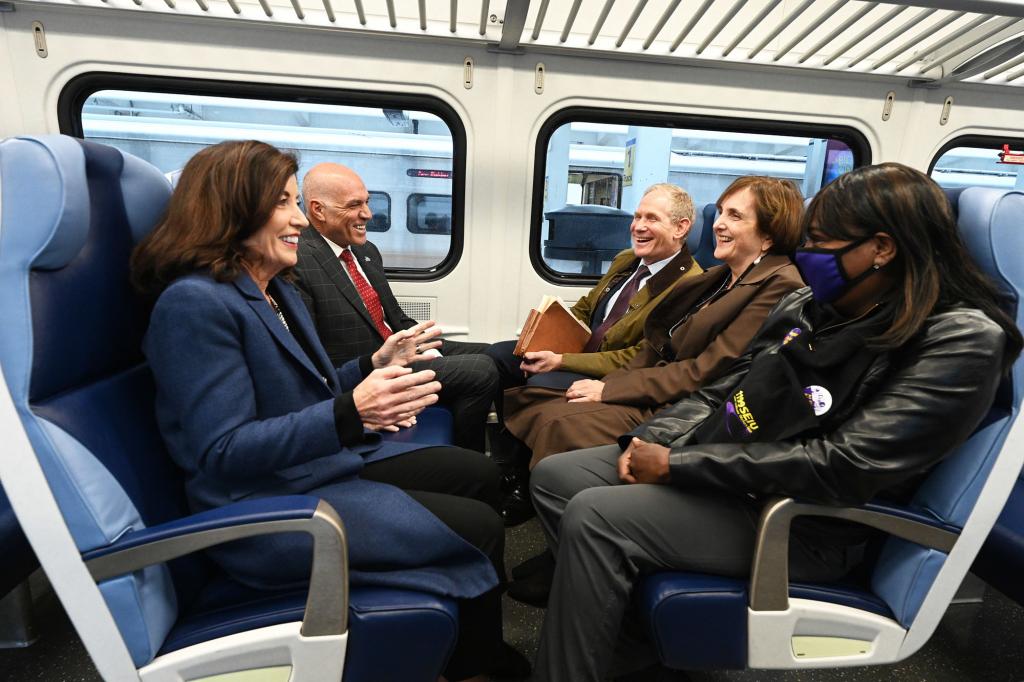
623,340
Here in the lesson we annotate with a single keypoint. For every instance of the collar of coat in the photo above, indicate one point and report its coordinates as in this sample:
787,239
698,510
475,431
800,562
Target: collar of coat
769,265
665,277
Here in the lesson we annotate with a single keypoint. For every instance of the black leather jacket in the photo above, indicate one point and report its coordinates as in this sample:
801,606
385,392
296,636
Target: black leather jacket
913,407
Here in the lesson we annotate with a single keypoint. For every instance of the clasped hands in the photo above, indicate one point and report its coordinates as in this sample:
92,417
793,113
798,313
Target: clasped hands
392,394
644,462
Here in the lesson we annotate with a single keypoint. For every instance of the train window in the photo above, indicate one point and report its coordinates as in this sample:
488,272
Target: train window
605,160
380,206
429,214
405,152
979,162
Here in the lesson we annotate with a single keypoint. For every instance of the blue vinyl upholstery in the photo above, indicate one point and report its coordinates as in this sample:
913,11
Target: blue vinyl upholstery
698,620
701,240
1001,559
70,351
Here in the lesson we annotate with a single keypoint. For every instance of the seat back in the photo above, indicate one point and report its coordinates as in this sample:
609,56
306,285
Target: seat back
906,574
70,352
701,240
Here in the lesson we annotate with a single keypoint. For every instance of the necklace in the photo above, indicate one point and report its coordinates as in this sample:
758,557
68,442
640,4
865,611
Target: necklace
277,310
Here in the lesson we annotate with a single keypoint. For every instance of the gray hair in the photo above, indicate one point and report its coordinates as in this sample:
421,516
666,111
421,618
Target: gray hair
680,202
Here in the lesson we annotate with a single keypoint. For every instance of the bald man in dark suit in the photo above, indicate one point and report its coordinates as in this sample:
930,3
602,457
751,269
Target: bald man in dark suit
343,283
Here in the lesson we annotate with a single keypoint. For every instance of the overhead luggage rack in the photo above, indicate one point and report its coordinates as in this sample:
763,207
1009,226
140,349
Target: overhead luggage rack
929,43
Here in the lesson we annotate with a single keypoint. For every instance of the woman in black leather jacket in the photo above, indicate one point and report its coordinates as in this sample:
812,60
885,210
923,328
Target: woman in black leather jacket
852,389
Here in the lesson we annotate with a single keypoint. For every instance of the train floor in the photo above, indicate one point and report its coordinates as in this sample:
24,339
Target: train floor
982,642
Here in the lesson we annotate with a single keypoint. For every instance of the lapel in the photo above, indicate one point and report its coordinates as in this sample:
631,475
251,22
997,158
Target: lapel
379,281
374,274
335,270
613,284
682,262
247,287
298,317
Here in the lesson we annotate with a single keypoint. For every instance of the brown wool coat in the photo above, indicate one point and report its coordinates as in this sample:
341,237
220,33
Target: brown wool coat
623,339
666,369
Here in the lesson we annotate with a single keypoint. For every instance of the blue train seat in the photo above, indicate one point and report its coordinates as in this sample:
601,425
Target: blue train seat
703,621
19,559
701,240
94,489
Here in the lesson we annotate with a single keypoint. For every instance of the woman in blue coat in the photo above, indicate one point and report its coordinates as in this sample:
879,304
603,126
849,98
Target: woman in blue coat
250,406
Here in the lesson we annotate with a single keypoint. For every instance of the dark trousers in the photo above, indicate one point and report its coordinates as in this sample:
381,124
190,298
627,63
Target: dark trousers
460,487
469,385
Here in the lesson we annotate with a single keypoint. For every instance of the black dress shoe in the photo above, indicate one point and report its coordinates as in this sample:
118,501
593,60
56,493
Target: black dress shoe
535,588
516,507
509,664
513,477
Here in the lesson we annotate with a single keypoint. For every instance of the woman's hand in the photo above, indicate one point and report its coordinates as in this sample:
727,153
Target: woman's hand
644,462
540,361
408,345
393,395
585,391
393,428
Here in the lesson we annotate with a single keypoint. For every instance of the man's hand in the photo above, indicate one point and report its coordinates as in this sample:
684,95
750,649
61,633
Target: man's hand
585,391
540,361
393,395
644,463
408,345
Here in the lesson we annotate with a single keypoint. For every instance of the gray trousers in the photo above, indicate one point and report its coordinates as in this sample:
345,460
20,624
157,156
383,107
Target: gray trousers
606,534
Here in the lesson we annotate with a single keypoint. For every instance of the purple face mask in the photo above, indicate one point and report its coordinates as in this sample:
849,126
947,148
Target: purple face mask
823,271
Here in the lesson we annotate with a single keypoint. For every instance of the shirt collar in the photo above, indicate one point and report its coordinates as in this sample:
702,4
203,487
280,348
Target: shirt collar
655,268
335,248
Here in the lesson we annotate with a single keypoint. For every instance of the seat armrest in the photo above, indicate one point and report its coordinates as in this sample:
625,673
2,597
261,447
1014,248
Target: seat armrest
327,603
769,574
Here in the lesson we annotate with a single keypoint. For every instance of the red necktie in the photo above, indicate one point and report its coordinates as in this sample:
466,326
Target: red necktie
629,290
370,298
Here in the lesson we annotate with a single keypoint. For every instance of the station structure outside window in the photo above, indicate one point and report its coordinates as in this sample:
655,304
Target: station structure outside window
399,153
606,167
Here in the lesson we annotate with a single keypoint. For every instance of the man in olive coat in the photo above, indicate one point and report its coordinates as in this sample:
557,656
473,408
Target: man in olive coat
659,229
616,309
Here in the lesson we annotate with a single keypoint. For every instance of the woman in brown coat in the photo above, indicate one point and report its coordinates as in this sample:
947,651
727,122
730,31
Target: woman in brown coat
690,338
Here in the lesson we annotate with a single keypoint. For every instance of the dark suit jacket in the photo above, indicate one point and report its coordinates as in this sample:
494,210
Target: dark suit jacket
247,413
342,320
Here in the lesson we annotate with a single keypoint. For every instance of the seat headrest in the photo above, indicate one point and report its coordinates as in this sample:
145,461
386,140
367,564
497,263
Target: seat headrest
51,169
990,224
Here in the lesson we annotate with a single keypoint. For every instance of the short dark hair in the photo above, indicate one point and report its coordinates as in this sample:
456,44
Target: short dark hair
937,271
225,193
779,208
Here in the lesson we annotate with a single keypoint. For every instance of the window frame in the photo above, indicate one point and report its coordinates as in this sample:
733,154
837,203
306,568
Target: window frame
972,140
387,196
408,212
77,90
852,137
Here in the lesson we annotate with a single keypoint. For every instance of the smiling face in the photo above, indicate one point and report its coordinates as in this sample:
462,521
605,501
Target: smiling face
275,245
738,241
339,204
655,235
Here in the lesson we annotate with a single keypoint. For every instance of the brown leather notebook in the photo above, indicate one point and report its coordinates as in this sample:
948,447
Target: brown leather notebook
550,326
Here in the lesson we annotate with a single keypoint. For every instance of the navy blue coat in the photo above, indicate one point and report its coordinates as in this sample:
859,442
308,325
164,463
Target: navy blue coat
247,413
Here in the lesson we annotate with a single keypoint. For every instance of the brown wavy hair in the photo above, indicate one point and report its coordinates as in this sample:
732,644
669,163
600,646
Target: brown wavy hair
936,270
225,193
779,207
